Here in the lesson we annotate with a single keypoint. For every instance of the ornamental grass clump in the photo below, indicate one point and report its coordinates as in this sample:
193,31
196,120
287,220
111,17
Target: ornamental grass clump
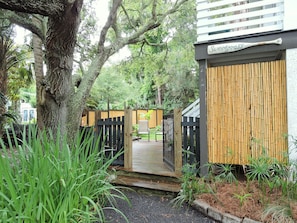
45,179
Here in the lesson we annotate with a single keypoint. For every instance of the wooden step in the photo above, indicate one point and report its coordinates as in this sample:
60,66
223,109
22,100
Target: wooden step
148,181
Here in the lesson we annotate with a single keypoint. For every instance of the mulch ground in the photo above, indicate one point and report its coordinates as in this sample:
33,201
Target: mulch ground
227,199
149,207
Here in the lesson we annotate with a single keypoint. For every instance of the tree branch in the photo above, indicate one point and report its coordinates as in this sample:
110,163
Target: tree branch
153,23
42,7
110,21
154,16
25,22
128,17
137,35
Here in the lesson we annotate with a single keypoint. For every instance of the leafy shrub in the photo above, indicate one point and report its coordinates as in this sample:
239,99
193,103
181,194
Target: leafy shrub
226,172
47,180
191,186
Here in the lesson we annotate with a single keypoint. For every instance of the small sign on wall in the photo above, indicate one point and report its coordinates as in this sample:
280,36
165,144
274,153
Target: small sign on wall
237,46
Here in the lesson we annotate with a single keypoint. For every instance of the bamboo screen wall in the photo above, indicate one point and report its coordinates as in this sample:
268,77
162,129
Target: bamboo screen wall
246,112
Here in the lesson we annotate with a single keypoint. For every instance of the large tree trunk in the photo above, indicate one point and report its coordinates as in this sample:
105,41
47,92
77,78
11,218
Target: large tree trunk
60,43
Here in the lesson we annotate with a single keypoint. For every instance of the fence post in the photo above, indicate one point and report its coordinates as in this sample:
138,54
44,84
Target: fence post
178,142
203,118
97,118
128,139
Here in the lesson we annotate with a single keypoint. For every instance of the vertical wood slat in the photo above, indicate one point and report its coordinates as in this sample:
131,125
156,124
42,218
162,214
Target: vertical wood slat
128,139
178,142
191,138
246,112
185,138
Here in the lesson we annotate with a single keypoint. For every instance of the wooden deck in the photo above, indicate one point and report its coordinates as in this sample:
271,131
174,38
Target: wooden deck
148,170
148,181
147,157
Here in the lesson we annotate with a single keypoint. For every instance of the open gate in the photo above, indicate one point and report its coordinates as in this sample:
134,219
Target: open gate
181,143
115,136
168,141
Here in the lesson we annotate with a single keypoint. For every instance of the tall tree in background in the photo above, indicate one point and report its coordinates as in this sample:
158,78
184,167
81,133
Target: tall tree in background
7,60
62,100
111,91
164,64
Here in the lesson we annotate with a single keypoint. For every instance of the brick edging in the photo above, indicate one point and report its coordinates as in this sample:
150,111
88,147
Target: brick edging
218,215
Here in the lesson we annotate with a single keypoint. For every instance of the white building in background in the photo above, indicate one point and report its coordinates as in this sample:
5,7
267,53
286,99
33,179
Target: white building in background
28,113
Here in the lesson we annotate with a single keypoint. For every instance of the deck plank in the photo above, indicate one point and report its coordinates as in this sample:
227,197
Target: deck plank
147,157
153,184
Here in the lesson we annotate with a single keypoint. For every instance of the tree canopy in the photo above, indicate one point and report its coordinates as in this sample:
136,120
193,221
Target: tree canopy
56,26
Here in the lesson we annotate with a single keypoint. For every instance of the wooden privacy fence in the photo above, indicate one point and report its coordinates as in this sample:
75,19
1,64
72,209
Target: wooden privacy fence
246,112
156,115
111,137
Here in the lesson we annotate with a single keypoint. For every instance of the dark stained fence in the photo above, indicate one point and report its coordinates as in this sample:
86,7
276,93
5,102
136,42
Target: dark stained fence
111,138
190,140
168,141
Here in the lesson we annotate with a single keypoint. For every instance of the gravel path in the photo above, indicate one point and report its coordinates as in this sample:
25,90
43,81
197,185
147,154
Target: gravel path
148,207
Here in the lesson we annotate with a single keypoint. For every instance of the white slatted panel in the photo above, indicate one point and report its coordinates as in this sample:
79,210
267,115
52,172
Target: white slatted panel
228,18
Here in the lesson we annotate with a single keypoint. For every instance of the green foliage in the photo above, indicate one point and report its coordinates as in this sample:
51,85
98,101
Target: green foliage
28,94
5,117
47,180
242,197
264,168
163,66
279,213
111,88
265,173
226,172
272,176
191,186
221,172
147,115
20,74
135,128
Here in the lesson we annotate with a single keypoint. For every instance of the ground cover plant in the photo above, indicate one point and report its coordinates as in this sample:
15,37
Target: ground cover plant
45,179
266,192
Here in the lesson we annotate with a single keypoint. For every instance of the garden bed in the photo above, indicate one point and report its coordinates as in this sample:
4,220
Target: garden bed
248,199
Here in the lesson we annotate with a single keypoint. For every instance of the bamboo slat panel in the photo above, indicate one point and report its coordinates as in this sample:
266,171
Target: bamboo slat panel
246,112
